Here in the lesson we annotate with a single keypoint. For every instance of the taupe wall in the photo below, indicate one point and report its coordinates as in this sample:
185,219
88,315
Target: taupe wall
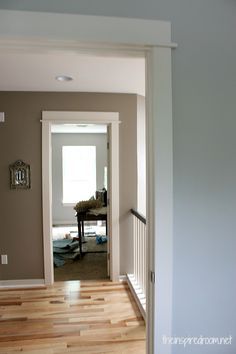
21,236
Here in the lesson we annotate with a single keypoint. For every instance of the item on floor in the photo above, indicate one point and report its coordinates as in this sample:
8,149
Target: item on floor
63,250
101,239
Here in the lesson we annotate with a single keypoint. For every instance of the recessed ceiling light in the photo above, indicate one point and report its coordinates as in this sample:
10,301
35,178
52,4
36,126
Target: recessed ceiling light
64,78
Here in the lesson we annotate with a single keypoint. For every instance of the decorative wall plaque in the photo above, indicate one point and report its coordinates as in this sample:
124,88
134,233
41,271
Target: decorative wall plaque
19,175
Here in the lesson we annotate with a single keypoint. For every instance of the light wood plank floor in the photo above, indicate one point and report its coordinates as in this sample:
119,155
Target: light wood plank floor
71,317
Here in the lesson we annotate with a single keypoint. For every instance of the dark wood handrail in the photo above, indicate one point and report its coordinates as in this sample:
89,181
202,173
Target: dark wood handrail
139,216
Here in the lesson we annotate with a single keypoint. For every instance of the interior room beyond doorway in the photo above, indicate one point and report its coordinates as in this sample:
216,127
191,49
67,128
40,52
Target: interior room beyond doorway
79,188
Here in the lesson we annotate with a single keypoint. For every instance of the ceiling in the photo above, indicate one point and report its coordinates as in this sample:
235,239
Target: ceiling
36,71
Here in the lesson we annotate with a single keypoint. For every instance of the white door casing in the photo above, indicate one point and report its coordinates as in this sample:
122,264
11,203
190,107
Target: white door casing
131,37
63,117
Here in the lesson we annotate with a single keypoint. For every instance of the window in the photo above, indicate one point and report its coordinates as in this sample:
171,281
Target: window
79,173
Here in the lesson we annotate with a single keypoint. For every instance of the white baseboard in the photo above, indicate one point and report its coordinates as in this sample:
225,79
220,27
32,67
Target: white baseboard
122,278
139,297
22,283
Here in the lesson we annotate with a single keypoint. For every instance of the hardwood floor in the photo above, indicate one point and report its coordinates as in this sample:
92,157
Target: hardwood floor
71,317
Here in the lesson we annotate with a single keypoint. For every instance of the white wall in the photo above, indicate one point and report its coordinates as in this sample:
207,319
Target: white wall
141,155
60,212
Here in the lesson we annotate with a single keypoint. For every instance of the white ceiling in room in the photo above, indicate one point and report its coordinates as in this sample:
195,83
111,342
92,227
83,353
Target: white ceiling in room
79,128
36,71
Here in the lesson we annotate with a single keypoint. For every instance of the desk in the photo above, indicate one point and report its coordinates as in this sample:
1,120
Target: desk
86,216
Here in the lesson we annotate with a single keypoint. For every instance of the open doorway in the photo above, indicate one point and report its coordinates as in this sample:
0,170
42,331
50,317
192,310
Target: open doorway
79,188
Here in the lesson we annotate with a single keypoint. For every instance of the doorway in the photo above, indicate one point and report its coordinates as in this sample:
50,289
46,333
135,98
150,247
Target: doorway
109,177
79,185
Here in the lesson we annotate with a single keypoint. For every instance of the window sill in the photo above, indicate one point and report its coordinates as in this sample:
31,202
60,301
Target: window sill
68,204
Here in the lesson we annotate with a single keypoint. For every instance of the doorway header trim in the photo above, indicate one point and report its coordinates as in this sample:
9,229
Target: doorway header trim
84,28
83,117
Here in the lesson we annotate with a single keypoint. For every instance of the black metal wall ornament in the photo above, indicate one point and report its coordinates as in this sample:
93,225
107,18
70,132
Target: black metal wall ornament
19,175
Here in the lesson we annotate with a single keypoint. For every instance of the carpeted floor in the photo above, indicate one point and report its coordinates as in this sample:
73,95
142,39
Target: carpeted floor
93,265
91,245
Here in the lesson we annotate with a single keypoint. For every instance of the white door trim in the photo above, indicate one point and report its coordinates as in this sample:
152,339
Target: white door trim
69,117
159,198
36,31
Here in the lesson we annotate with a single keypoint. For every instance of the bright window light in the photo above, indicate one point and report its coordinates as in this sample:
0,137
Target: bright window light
79,173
